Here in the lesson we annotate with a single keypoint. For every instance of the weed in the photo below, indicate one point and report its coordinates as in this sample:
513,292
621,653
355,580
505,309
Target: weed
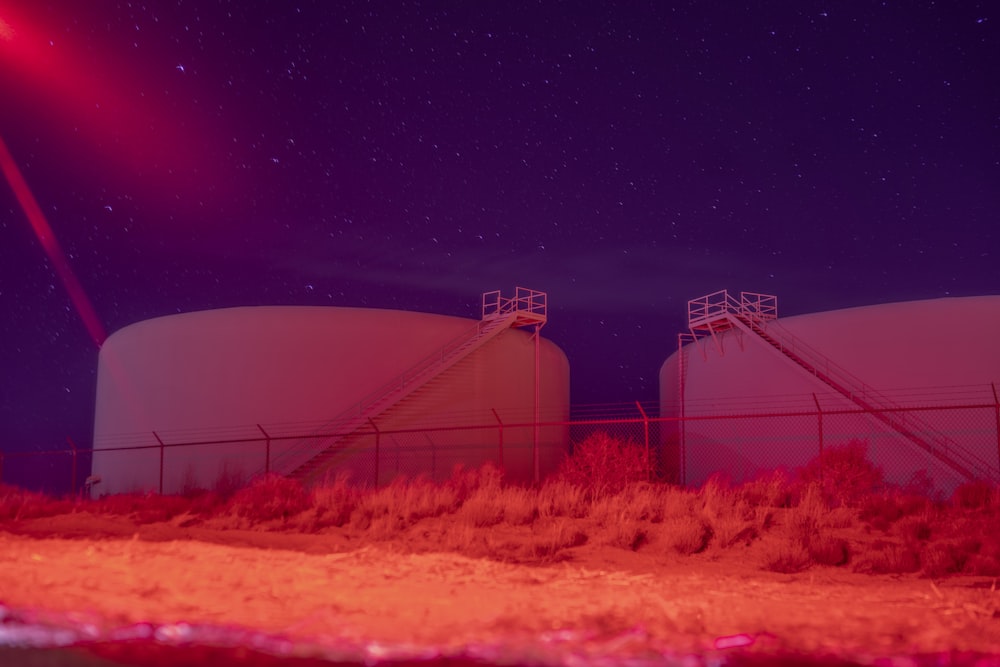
881,510
826,549
884,557
270,497
686,535
772,489
785,556
335,502
975,495
559,498
948,557
603,465
844,473
483,509
17,503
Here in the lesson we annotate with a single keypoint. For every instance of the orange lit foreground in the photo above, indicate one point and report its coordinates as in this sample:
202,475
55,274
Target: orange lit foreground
138,600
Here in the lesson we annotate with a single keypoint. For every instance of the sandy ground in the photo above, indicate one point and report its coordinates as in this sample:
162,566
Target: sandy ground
316,590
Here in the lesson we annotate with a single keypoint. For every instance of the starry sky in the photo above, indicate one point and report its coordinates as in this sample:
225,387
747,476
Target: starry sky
623,157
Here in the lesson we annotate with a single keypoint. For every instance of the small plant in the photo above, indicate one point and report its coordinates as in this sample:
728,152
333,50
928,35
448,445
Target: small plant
603,465
335,502
686,535
785,555
559,498
882,510
884,557
975,495
844,474
17,503
270,497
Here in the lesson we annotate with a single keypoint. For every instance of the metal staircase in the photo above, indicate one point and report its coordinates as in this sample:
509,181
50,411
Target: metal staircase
755,315
334,442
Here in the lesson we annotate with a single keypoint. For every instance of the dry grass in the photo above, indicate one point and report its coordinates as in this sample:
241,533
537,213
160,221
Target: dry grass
837,512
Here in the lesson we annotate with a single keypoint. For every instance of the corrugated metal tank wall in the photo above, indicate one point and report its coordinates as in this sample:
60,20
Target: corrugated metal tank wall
215,375
900,349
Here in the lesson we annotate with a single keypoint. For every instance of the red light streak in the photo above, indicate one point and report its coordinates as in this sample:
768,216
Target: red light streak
51,245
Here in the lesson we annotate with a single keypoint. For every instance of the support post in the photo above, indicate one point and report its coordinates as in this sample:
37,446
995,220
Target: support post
161,460
819,419
267,450
645,435
535,455
378,438
681,422
996,413
499,439
72,479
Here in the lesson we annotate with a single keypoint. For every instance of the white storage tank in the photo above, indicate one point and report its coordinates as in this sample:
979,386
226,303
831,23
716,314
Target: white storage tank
863,373
311,392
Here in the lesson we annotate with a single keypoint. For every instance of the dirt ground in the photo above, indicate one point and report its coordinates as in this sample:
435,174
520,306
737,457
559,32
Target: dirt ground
601,603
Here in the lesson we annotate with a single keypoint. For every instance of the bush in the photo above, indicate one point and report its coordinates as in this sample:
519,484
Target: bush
974,495
603,465
844,473
881,510
686,535
270,497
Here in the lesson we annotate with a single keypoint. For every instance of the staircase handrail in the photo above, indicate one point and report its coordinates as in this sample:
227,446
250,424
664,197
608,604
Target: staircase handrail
524,300
711,306
398,382
869,394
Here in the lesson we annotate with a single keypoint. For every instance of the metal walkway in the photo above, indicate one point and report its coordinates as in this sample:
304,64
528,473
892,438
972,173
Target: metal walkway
755,315
331,444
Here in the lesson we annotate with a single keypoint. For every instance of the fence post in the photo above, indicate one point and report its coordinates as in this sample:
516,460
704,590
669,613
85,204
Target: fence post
72,480
535,456
378,437
645,434
819,419
499,439
267,450
161,460
996,413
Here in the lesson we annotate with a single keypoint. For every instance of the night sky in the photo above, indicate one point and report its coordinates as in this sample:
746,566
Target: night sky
623,157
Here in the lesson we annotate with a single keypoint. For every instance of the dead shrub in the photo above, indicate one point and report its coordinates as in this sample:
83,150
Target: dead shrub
914,529
629,535
335,502
731,517
883,557
17,503
559,498
686,535
269,498
985,562
770,489
882,510
940,559
826,549
482,510
520,505
975,495
464,482
843,473
555,537
785,555
603,465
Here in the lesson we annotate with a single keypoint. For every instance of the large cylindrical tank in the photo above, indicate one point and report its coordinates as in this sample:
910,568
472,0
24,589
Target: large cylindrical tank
919,354
260,385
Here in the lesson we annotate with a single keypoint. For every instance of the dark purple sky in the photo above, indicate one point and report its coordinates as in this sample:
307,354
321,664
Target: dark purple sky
622,157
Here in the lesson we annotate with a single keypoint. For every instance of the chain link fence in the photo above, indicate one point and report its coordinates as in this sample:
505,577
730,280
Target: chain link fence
935,448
